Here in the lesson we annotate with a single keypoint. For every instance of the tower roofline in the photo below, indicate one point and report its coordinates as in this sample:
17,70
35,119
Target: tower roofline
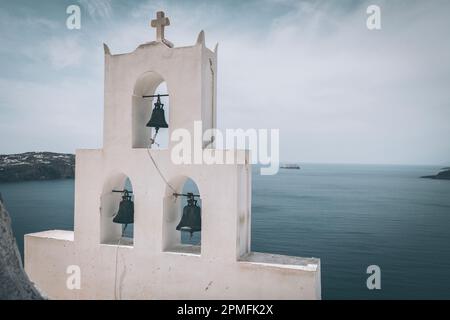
200,42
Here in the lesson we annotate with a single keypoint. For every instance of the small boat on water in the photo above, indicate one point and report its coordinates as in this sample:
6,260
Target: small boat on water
289,166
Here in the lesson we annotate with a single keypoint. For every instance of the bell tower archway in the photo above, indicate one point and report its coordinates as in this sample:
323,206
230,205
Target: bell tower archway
110,199
175,240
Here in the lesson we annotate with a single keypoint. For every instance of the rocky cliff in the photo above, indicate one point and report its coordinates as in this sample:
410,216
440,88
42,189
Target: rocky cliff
443,175
36,166
14,282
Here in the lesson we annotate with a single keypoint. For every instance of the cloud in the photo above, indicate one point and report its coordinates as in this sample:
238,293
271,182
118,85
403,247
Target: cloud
65,52
14,32
58,116
98,9
340,93
337,91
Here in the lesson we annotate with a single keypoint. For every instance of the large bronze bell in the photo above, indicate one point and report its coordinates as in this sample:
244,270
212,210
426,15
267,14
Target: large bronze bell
125,215
191,221
158,120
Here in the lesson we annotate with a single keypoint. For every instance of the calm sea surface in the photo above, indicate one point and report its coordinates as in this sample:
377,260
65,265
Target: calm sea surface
349,216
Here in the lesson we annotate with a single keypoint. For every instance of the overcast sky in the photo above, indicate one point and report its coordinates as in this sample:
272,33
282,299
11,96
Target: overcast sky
337,91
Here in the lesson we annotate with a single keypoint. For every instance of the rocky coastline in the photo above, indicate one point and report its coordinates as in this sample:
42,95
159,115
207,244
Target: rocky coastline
36,166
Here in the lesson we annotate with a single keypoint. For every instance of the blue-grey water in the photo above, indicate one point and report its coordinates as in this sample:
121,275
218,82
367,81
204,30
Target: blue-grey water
349,216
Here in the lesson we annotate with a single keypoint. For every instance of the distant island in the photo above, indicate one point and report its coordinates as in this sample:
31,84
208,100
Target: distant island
36,166
443,175
289,166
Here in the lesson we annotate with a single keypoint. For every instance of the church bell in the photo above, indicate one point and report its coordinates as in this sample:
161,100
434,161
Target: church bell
191,221
158,120
125,215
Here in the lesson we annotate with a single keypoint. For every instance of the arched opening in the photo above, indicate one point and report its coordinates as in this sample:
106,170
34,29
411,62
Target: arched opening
117,211
182,240
148,85
186,237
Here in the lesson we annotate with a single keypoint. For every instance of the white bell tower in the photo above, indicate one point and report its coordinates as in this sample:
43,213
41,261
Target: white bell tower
190,76
155,264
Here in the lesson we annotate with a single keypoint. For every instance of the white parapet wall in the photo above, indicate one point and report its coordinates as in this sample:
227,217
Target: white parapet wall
164,275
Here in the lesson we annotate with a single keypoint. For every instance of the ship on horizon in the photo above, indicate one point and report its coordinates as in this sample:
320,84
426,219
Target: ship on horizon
289,166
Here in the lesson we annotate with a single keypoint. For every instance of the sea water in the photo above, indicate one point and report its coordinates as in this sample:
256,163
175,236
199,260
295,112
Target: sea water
349,216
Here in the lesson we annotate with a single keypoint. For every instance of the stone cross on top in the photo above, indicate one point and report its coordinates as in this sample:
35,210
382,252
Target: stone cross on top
159,23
